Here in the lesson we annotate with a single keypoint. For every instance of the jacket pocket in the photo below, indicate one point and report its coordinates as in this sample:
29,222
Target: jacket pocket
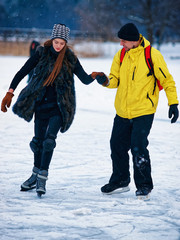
148,97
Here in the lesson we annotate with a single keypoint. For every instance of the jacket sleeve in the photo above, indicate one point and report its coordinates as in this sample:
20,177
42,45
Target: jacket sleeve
81,74
28,66
163,75
114,72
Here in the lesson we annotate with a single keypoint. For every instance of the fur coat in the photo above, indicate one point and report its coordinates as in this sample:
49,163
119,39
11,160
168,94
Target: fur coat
64,85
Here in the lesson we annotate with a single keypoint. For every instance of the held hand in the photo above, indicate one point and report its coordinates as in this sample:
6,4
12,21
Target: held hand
95,74
103,80
173,112
6,102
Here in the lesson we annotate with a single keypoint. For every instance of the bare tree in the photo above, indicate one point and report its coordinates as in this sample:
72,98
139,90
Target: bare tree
103,17
159,19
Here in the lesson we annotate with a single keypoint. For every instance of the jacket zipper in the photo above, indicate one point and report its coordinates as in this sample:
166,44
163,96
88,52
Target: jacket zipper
150,99
133,73
162,72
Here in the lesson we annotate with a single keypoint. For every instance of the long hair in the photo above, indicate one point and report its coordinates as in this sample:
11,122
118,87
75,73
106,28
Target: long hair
57,66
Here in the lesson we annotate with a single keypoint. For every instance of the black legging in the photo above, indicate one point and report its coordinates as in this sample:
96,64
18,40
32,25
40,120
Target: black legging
45,134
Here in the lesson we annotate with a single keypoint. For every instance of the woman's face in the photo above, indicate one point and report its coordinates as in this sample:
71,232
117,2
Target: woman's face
58,44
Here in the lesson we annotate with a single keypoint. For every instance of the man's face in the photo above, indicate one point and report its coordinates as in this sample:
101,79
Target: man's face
128,44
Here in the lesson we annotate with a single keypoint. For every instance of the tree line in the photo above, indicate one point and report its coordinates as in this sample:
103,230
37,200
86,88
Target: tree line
158,20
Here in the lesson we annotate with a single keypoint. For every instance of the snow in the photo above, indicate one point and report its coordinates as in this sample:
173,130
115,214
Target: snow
73,207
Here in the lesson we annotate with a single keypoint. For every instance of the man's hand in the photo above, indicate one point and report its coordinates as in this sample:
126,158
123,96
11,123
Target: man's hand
103,80
173,112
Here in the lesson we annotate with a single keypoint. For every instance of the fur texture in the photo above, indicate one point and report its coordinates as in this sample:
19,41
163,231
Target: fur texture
64,84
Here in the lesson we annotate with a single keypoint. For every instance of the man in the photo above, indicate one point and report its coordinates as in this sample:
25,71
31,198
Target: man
136,102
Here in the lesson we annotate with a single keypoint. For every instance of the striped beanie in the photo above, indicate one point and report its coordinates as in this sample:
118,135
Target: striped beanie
60,31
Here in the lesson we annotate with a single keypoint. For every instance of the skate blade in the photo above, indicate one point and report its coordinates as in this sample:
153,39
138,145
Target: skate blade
144,198
40,193
117,191
23,189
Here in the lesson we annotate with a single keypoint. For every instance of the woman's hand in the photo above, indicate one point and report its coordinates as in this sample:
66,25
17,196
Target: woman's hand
6,102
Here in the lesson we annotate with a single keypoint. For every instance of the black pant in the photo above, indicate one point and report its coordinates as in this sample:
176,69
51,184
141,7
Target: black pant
45,134
131,134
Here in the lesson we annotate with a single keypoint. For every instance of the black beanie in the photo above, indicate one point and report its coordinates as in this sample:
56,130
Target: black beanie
129,32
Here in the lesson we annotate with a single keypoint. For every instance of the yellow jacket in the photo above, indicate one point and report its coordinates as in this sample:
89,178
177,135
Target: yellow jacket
135,95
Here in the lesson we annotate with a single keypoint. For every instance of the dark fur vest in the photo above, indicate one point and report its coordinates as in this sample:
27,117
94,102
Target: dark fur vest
64,85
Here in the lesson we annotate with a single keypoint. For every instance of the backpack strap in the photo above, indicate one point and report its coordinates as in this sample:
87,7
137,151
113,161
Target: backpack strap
148,59
147,52
123,51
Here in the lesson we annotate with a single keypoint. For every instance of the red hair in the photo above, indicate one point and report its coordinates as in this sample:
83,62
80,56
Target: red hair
57,66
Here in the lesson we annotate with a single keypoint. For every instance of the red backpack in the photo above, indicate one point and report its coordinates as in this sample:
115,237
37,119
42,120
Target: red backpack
147,53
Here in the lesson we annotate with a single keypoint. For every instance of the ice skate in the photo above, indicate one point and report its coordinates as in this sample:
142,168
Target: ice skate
41,182
30,183
115,188
143,194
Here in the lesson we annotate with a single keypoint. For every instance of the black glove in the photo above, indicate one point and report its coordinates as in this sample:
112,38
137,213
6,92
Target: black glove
173,111
103,80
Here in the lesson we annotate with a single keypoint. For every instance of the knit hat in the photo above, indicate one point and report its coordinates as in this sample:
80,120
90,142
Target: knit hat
60,31
129,32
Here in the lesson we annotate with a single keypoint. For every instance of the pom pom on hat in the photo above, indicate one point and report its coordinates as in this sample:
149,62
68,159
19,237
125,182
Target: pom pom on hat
129,32
60,31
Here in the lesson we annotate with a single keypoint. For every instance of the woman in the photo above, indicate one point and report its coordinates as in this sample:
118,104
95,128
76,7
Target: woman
50,97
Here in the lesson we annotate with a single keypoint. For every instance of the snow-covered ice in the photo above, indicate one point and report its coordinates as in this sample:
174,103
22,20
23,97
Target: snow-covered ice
73,207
